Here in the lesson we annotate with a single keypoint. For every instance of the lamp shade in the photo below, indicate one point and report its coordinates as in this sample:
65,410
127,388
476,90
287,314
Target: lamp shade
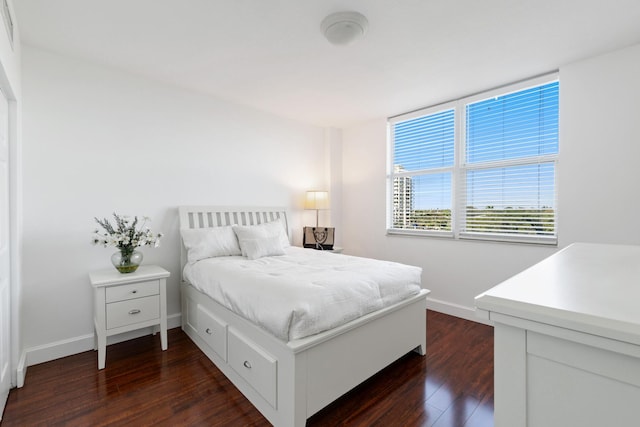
317,200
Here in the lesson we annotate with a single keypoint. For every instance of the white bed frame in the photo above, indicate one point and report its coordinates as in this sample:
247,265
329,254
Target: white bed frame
290,381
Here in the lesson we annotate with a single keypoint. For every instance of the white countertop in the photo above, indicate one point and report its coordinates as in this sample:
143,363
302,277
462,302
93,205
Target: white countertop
591,288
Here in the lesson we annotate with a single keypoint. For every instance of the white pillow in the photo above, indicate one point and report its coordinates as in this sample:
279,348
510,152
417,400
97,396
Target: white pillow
204,243
262,246
268,229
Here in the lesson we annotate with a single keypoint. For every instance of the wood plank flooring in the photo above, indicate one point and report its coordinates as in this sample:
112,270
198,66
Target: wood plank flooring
451,387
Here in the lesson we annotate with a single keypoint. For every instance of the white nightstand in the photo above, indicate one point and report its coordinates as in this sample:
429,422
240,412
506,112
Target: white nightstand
126,302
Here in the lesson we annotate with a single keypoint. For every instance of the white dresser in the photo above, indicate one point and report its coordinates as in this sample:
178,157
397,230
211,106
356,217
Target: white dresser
567,340
126,302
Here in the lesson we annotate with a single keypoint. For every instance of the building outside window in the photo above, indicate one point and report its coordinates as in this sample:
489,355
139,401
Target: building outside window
402,199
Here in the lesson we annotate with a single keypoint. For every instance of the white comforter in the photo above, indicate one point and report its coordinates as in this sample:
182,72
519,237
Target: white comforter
305,291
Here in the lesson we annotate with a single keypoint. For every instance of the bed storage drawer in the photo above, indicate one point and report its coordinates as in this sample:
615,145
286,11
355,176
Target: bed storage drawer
254,365
213,331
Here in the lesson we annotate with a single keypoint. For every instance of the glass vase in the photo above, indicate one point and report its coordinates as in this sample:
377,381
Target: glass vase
126,261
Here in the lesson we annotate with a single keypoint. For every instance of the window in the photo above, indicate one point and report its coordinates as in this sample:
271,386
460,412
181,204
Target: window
482,167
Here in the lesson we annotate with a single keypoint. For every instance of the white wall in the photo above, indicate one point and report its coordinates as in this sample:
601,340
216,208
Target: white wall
333,174
97,140
598,177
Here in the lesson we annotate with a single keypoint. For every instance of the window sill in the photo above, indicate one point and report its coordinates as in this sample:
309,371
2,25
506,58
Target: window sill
420,233
490,238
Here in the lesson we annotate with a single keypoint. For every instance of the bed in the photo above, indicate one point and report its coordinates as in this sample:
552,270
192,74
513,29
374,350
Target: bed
290,379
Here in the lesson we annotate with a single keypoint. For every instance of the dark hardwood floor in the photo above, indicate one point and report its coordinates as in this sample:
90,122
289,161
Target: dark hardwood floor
142,385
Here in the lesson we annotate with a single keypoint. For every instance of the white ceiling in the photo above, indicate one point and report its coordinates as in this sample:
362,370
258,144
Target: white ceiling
270,54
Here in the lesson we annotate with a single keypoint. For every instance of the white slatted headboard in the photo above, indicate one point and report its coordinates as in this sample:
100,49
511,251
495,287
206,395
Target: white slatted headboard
216,216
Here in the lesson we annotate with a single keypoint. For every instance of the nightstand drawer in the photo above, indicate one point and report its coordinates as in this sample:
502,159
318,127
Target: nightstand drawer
133,311
132,290
213,331
254,365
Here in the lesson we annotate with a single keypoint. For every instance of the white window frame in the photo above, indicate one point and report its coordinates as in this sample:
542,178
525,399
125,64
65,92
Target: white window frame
460,168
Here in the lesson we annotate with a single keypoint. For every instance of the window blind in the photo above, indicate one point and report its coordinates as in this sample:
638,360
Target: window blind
512,126
510,147
424,154
425,142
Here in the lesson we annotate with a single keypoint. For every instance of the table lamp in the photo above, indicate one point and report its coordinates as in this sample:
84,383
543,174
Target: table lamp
317,200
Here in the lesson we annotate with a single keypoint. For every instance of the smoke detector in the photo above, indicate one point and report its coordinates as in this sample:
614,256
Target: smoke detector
343,28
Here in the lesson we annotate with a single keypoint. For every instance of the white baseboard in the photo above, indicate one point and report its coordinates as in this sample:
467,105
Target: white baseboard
56,350
21,370
457,310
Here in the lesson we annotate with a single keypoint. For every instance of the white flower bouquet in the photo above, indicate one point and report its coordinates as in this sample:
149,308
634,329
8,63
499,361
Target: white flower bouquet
126,235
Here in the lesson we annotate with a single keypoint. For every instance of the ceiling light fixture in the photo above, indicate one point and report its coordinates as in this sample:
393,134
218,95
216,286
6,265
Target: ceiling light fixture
343,28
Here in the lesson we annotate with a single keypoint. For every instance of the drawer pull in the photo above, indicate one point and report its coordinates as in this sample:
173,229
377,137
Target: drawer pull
134,311
209,331
247,364
134,291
